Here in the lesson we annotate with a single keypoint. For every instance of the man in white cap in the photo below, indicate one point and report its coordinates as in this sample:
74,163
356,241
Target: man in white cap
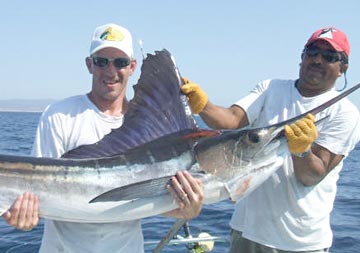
85,119
290,212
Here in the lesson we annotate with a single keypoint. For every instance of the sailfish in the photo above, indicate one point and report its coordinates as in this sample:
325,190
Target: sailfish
124,175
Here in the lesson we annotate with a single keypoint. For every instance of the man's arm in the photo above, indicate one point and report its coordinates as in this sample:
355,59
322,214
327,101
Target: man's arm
314,166
311,161
216,117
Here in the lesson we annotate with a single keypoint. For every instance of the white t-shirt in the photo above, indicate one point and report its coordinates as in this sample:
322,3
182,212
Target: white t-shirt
63,126
283,213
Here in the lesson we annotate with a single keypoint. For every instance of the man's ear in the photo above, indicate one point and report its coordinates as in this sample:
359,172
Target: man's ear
133,65
302,55
88,64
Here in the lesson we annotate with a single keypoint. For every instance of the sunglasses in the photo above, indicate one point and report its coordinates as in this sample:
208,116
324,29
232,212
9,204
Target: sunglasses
329,55
102,62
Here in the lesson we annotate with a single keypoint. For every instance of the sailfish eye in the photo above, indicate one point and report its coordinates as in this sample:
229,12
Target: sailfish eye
253,137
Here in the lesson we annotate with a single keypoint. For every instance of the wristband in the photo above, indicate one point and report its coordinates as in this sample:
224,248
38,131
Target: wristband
301,155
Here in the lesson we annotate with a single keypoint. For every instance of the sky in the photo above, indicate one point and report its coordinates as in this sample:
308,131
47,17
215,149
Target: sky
226,47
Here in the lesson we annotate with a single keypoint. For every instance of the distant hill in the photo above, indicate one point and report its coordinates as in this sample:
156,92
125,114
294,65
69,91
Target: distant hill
24,105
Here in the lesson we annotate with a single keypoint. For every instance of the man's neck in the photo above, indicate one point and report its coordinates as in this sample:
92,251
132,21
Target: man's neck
309,92
117,107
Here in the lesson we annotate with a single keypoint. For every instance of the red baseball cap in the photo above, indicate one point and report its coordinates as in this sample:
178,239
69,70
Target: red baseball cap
336,38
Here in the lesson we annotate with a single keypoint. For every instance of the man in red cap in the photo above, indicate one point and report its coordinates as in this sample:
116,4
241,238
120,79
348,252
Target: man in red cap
290,211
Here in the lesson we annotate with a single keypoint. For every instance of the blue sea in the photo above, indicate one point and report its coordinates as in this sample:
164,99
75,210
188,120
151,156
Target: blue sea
17,130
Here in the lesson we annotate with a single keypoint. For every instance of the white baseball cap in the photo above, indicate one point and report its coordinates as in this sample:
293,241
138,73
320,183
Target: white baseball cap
112,35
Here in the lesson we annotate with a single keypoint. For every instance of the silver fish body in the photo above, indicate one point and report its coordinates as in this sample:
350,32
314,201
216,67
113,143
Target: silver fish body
124,175
65,187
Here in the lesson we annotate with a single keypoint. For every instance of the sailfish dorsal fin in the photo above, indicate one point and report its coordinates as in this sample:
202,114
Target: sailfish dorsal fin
157,109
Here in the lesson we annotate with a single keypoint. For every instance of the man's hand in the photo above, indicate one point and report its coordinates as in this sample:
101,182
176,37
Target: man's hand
197,97
188,193
301,134
24,213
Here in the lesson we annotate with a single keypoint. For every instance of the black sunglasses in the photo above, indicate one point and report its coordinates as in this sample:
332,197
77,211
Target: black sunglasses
329,55
119,63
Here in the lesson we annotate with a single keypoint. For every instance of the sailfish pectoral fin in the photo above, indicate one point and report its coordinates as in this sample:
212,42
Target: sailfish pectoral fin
145,189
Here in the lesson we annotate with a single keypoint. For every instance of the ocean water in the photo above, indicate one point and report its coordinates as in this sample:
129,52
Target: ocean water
17,130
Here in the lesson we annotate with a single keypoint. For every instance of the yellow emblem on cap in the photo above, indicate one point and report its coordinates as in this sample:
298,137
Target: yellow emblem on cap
112,34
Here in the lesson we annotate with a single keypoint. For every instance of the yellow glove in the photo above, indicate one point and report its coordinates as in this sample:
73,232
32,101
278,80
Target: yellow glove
197,97
301,135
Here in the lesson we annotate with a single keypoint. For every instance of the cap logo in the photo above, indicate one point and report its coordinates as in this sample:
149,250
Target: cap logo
112,34
326,33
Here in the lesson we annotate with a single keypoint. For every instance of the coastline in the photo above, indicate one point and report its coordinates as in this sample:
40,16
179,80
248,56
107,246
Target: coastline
30,111
24,105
